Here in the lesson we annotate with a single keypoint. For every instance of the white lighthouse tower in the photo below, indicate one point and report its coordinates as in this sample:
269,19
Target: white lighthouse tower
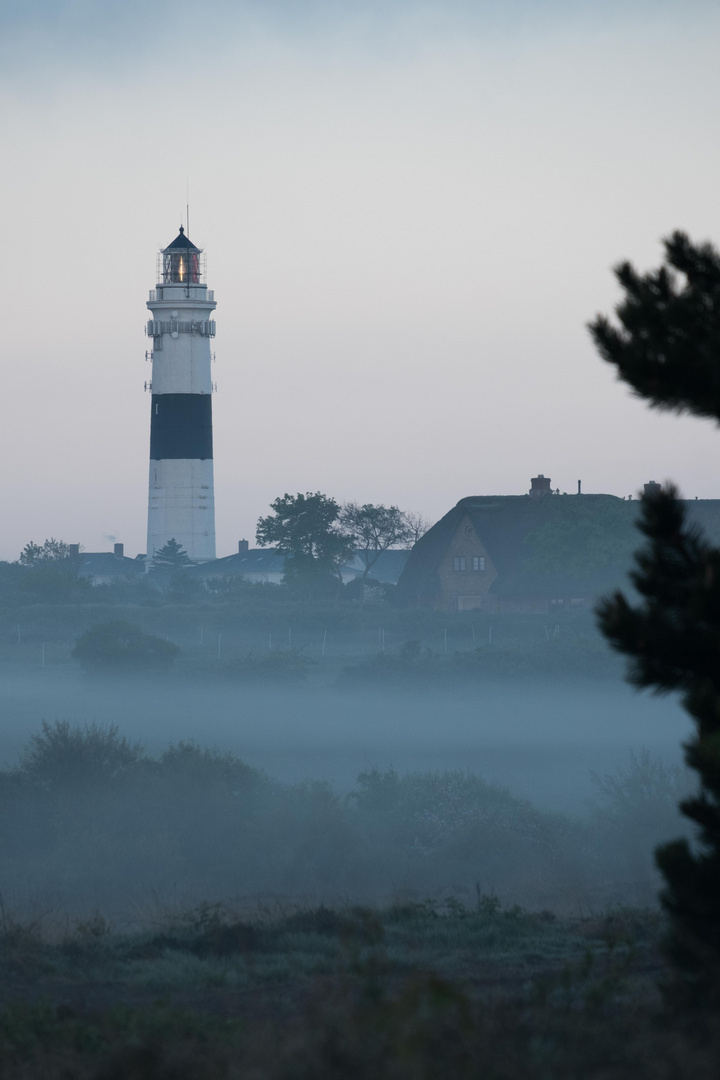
181,505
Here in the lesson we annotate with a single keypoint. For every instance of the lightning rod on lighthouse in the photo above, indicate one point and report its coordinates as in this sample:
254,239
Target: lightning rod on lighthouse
181,503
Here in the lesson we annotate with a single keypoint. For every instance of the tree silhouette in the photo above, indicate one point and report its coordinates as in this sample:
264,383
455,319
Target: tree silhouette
667,347
374,529
170,557
306,529
668,344
50,552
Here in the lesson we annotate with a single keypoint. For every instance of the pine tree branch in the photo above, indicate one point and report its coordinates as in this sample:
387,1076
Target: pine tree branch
667,346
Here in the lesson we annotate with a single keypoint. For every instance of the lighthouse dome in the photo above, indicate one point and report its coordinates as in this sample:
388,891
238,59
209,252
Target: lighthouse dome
181,261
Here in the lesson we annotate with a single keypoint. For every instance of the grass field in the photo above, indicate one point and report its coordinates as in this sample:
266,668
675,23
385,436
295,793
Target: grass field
410,990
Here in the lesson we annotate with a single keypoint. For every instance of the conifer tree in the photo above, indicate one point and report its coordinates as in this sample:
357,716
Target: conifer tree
667,347
171,556
668,344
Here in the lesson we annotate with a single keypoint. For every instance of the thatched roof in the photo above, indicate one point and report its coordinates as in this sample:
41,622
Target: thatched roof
553,546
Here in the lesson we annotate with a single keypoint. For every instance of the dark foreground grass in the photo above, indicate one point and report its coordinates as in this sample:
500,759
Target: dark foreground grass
409,991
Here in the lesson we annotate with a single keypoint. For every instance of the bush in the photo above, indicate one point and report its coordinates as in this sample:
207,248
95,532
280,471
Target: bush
61,756
88,815
434,828
637,808
198,766
122,646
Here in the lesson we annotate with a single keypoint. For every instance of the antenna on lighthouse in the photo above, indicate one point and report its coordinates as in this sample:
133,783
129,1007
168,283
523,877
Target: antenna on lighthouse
187,206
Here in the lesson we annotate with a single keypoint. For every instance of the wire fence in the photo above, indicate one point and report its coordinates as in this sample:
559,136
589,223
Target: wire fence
36,645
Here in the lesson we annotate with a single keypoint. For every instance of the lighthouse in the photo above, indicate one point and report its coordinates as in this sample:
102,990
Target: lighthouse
181,504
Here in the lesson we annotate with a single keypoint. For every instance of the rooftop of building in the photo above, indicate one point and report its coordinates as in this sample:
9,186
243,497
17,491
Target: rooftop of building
598,529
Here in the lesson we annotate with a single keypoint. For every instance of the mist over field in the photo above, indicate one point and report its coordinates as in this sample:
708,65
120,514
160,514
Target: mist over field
541,739
374,798
431,758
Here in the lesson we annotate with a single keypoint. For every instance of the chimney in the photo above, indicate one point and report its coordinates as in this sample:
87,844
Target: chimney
243,547
652,488
539,486
119,550
73,550
579,487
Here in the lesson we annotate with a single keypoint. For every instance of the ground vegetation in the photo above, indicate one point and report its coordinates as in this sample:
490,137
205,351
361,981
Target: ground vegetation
120,645
88,817
184,914
411,989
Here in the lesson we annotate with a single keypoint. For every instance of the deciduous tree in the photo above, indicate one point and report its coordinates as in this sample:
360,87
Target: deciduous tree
374,529
417,526
51,551
307,530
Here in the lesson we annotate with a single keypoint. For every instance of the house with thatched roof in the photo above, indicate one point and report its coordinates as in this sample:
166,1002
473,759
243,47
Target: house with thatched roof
529,553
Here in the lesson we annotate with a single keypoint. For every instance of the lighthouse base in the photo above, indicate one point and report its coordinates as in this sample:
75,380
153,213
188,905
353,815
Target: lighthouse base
182,507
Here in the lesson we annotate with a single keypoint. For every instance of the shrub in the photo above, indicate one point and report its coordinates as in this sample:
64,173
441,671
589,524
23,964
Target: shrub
120,645
63,756
199,766
637,808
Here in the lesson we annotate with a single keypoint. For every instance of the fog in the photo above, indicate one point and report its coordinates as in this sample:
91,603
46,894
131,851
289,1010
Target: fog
541,739
330,781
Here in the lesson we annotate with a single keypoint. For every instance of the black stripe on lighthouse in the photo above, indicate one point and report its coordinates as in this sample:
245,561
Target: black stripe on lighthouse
181,427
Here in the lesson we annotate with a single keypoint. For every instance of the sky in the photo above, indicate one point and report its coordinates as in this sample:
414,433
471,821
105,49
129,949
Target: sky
410,212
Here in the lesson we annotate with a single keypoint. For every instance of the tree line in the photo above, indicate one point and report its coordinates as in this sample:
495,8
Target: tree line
316,534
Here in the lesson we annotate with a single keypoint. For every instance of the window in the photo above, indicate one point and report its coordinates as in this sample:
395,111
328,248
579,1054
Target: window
459,562
478,562
181,267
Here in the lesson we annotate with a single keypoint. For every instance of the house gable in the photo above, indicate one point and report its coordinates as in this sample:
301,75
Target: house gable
553,547
466,571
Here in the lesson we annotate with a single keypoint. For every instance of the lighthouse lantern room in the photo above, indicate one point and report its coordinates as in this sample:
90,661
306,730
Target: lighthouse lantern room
181,503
